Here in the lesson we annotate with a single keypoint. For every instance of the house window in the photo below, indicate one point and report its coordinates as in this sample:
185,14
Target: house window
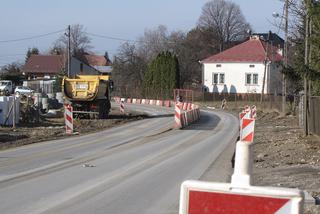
248,79
255,79
251,79
251,66
218,78
215,78
221,78
218,65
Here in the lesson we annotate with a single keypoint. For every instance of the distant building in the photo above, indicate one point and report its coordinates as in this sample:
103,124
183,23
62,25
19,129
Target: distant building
43,66
240,69
79,67
101,63
274,39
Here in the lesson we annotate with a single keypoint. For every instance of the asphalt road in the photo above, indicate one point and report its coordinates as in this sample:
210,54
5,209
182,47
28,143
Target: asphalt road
134,168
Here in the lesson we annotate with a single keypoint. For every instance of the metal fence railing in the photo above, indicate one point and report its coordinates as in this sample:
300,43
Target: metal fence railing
270,101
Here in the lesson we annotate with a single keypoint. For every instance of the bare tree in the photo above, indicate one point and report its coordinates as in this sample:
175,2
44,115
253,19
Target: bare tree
225,19
128,70
79,40
153,42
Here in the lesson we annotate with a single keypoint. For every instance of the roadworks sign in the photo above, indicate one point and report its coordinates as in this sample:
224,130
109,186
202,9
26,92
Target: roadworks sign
197,197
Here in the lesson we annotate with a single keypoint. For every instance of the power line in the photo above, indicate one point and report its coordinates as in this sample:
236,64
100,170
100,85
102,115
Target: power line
31,37
112,38
125,40
12,55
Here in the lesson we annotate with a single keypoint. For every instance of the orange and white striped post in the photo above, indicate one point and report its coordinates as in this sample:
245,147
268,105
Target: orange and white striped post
253,112
122,107
68,115
243,159
178,115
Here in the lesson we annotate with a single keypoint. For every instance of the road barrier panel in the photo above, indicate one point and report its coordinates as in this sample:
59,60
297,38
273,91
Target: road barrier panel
185,106
122,107
247,130
177,115
253,112
199,197
159,103
68,115
117,99
187,113
167,103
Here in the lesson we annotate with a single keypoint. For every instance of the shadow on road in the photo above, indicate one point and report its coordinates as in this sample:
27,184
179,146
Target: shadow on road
161,116
206,122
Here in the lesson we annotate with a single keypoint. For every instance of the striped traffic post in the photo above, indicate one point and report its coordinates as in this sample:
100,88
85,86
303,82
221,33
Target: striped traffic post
68,118
177,115
243,158
122,107
253,112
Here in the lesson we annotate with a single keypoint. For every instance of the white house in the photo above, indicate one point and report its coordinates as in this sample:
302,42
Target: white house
241,69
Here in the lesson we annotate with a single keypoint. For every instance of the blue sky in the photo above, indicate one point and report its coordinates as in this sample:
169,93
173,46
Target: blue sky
118,18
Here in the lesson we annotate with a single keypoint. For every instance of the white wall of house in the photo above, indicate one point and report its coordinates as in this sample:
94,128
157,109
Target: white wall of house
239,77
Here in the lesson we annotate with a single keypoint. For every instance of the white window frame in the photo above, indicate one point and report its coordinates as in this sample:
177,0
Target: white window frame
251,79
219,74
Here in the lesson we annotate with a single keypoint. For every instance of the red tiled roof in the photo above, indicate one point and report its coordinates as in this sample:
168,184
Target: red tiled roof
252,50
44,64
95,60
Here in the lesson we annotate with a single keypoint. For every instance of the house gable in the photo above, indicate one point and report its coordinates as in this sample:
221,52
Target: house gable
241,69
42,65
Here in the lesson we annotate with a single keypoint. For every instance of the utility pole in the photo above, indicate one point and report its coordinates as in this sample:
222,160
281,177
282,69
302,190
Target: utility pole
69,49
265,66
284,84
305,82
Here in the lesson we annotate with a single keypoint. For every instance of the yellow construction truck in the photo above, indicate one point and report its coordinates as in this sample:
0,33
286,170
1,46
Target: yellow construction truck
88,94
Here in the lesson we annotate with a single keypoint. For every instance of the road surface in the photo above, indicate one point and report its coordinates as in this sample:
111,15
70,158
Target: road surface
134,168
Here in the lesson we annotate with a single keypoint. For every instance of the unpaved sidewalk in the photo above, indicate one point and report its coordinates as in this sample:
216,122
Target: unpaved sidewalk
283,157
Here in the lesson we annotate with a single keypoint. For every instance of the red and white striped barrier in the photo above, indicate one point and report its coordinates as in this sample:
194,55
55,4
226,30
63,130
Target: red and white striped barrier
122,107
159,103
167,103
253,112
185,118
68,115
185,113
177,115
152,102
247,130
185,106
117,99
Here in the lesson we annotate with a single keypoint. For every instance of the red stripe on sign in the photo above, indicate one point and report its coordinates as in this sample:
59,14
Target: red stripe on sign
221,203
248,138
246,122
68,118
241,115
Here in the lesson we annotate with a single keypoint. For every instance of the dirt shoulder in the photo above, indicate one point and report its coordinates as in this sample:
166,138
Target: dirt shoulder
54,128
283,157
